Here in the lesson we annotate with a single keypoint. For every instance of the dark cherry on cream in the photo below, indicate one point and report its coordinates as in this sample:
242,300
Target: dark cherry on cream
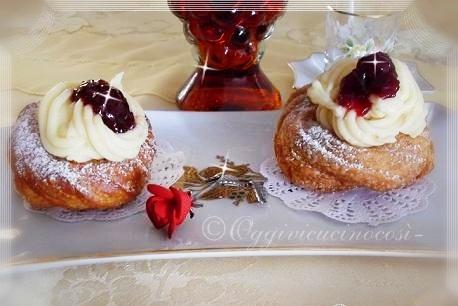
375,74
108,102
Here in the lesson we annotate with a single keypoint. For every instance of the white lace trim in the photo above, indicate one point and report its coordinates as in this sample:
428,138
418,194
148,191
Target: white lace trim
354,206
167,168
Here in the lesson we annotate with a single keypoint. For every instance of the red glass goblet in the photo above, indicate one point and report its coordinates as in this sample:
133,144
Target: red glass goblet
228,37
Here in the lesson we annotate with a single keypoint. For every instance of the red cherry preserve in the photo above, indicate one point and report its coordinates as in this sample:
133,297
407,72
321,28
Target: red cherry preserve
108,102
375,74
228,38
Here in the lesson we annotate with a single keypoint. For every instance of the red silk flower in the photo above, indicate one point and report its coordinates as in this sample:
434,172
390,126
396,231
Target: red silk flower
168,207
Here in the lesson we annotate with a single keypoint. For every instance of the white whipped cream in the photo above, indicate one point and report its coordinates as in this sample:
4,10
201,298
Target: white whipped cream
71,130
405,113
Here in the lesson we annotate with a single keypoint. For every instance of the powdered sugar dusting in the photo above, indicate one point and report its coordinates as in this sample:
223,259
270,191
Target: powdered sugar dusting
320,140
166,169
31,157
317,140
318,145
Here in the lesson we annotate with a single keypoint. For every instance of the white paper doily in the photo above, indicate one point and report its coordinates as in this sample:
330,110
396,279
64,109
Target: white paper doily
167,168
355,206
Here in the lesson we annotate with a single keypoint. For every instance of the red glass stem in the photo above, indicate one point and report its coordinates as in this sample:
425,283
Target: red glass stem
229,90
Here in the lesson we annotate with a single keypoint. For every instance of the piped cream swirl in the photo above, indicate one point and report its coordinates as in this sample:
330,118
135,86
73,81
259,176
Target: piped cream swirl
71,130
405,113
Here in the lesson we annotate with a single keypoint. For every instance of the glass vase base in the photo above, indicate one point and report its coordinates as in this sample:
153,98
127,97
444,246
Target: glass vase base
228,90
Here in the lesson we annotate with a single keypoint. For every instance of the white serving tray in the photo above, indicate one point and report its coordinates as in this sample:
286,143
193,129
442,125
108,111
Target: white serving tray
220,228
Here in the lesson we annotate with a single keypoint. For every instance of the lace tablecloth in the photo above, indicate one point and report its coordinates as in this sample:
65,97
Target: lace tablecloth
151,49
310,281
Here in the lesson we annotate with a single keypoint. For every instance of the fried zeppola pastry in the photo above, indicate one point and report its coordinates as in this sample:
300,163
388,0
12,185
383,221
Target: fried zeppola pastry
334,135
80,148
46,181
314,157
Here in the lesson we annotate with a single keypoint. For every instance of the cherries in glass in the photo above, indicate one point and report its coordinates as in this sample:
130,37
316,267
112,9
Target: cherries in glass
227,36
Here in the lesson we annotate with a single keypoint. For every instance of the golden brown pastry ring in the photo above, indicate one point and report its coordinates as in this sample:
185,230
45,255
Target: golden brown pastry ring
46,181
313,157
